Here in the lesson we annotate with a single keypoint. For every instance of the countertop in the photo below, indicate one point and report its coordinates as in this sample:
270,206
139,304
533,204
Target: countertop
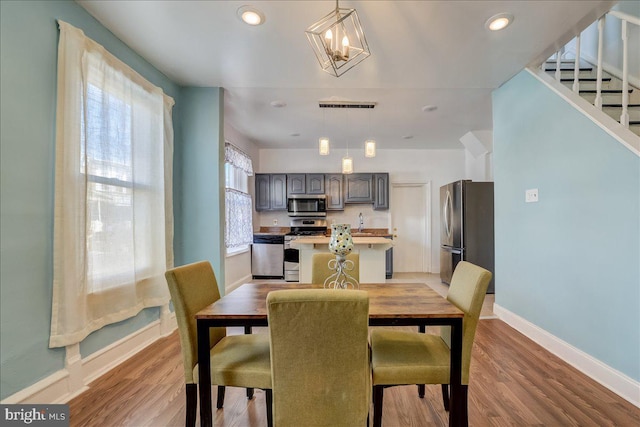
366,232
324,240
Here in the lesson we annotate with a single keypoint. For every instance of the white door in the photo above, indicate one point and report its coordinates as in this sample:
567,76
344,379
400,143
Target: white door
410,226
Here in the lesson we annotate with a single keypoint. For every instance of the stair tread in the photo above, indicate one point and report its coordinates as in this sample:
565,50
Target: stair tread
620,105
586,79
569,69
604,91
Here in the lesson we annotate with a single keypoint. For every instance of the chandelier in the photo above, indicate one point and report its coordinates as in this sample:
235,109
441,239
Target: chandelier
338,41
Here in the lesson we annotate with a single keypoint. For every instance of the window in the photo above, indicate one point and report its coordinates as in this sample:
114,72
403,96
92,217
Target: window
113,225
239,212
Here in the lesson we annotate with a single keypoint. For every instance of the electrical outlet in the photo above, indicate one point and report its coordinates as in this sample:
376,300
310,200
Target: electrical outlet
275,222
531,196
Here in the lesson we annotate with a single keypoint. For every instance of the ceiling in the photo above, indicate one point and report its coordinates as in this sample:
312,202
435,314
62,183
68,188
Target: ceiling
422,53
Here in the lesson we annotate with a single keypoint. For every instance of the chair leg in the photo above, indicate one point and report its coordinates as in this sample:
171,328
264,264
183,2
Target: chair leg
249,393
421,391
220,401
445,396
464,415
378,394
192,403
269,402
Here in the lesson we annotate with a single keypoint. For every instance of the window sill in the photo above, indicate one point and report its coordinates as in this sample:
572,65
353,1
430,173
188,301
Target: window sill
238,252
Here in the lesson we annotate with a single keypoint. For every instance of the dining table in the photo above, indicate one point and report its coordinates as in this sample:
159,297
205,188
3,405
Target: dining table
390,304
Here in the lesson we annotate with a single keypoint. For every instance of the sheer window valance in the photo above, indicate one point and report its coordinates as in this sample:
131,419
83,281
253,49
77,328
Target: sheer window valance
237,158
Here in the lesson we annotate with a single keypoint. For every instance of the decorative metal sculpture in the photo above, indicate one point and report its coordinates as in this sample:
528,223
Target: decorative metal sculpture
341,245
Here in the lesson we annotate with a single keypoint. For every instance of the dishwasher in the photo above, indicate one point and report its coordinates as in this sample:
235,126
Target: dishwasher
267,256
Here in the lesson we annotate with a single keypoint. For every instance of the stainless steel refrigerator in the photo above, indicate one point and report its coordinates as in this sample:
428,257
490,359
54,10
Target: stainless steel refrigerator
466,227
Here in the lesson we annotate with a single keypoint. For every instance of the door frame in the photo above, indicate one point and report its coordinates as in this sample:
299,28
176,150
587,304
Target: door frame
427,238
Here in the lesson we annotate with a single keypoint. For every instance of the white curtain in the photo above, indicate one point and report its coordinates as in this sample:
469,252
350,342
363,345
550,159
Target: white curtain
113,223
239,212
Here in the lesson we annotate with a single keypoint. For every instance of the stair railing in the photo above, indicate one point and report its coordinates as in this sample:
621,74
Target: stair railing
625,20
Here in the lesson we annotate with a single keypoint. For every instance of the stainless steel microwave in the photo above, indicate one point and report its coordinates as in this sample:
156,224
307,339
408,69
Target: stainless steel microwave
307,205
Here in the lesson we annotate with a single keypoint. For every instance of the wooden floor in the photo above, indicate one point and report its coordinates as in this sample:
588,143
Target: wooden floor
514,382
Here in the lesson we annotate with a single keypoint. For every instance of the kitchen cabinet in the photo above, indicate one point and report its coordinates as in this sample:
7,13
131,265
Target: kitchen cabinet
381,185
359,188
271,192
300,183
315,183
333,184
296,183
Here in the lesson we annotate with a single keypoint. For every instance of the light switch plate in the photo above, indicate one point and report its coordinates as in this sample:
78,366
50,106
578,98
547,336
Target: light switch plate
531,195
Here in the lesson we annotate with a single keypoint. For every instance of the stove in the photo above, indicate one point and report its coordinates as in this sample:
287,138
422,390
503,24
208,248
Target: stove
299,227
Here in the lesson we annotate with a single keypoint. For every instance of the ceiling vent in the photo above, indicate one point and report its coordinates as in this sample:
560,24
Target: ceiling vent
346,104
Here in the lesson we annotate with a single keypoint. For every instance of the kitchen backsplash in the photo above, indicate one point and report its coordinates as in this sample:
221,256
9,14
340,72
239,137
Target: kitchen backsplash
372,219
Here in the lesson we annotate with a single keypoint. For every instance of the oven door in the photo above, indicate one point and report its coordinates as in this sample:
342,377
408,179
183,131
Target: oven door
291,262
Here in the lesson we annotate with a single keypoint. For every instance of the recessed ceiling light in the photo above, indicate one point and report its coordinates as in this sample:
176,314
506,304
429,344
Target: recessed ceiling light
407,137
499,21
250,15
429,108
278,104
295,134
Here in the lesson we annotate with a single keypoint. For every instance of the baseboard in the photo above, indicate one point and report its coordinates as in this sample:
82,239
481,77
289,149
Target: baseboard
237,283
616,381
58,387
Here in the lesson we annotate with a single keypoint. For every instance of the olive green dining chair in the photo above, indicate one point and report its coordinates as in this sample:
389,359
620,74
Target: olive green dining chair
404,357
320,358
320,266
236,360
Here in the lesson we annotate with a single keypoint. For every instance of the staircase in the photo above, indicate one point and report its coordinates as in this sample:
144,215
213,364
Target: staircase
611,91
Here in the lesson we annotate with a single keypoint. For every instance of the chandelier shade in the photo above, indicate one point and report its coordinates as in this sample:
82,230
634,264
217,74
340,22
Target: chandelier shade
347,165
338,41
324,146
370,148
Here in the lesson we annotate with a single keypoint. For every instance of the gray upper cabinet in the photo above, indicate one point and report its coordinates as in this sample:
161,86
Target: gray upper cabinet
315,183
334,185
381,185
271,192
296,183
278,192
359,188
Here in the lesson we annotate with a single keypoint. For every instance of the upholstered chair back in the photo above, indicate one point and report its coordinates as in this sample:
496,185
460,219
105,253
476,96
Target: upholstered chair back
192,288
467,291
319,357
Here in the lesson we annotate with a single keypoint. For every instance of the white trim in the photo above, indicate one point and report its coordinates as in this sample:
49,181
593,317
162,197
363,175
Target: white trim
616,381
237,283
64,385
606,123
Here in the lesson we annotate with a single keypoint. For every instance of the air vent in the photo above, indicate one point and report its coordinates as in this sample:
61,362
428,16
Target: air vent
346,104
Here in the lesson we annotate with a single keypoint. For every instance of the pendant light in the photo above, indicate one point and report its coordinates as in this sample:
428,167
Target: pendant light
370,144
338,41
323,141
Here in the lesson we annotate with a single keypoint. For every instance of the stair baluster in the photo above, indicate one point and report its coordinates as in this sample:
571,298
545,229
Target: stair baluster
576,71
598,101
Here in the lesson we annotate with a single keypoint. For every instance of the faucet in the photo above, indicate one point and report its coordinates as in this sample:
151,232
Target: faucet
361,222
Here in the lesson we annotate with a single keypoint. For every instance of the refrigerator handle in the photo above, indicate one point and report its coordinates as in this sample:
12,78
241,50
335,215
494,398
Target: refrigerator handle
447,213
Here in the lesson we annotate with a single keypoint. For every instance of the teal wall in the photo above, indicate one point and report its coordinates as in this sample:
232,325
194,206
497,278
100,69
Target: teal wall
570,263
28,50
199,236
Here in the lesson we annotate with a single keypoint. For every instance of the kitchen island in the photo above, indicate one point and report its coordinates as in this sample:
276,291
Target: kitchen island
371,251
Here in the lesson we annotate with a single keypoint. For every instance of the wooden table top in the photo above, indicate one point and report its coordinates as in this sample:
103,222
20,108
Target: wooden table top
386,301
